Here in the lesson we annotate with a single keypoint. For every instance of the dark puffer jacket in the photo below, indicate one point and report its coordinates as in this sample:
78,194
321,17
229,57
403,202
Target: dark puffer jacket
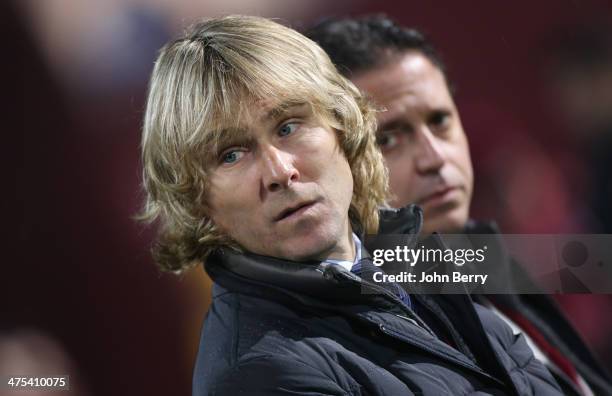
543,314
284,328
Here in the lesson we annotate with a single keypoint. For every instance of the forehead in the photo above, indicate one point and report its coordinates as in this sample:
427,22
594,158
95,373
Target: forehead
409,82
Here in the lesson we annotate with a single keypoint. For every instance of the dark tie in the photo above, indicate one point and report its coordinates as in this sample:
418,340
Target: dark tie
366,269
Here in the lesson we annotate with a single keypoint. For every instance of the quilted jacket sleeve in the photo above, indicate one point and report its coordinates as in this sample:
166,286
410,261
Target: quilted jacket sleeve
529,375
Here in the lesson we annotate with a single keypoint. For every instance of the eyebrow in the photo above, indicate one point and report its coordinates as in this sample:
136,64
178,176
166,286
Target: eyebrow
222,139
393,124
278,111
232,136
399,123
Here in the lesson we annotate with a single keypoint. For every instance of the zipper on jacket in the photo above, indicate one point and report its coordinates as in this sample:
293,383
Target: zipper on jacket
408,319
341,274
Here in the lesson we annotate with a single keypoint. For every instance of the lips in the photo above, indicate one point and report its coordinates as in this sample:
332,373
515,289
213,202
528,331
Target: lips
294,209
440,195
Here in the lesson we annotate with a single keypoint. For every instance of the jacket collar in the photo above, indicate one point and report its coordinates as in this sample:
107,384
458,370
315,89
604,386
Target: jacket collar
313,279
333,288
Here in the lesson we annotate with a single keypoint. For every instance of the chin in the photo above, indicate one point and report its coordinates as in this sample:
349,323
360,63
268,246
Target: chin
314,246
449,222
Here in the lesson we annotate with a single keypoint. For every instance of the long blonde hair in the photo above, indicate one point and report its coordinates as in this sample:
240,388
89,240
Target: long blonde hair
202,83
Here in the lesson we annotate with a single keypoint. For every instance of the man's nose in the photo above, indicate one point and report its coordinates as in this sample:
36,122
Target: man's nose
278,170
428,152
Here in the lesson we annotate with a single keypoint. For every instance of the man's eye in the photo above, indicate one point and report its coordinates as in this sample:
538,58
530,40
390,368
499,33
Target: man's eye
288,129
230,157
439,119
388,141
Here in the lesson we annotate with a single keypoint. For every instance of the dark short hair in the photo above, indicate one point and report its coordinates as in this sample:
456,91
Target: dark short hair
360,44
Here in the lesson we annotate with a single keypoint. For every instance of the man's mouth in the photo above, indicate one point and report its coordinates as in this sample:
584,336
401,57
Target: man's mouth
439,196
294,210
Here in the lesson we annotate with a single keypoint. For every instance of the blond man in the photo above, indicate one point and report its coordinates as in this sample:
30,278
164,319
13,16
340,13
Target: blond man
260,161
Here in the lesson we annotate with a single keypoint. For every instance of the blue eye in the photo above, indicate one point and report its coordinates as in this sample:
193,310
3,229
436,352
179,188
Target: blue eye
287,129
231,157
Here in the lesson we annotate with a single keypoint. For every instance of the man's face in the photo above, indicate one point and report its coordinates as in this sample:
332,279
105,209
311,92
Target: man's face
422,140
281,186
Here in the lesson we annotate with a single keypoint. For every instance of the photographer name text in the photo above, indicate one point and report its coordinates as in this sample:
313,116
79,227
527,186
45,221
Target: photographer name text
434,277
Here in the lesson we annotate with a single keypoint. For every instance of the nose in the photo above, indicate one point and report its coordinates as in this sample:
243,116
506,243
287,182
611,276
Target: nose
429,156
278,170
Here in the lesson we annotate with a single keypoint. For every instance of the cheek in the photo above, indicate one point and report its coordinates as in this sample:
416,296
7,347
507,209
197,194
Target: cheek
347,178
334,176
402,181
318,155
401,170
227,200
460,153
217,195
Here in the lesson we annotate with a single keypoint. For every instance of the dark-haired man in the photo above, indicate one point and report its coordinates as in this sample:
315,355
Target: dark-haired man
427,154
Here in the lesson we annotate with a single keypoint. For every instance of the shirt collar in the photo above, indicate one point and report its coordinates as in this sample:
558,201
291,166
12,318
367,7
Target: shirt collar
347,263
